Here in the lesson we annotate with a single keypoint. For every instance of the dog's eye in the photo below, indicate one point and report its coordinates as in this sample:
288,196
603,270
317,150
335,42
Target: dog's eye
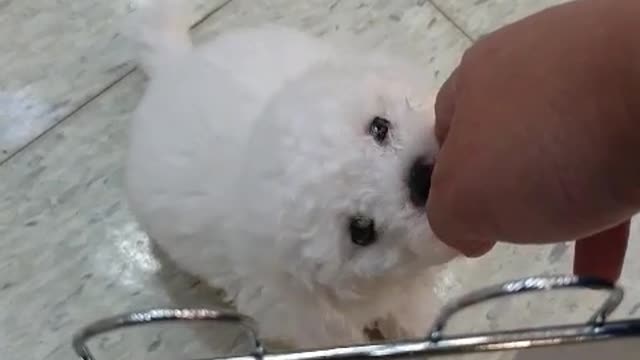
362,230
379,129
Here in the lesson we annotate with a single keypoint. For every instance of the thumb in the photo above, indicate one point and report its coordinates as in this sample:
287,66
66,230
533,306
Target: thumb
445,107
440,205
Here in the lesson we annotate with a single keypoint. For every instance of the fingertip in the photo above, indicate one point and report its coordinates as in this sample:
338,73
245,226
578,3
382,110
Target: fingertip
479,248
451,233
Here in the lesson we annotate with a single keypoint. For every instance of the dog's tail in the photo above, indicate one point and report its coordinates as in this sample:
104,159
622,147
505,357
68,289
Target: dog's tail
160,30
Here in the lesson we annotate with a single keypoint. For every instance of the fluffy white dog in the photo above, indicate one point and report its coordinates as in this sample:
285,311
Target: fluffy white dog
291,173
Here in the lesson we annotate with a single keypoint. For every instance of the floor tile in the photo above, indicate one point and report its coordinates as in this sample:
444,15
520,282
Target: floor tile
55,56
478,17
70,252
412,28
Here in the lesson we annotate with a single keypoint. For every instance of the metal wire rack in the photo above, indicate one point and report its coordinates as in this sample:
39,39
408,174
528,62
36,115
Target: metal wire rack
436,343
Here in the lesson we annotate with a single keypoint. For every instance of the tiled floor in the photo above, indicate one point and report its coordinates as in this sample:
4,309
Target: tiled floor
69,250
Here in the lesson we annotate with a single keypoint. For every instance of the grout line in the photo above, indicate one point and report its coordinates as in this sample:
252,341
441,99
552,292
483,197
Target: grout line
67,116
452,21
93,97
209,14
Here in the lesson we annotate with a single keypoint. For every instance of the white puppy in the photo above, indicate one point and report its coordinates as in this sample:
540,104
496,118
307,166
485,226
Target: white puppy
290,173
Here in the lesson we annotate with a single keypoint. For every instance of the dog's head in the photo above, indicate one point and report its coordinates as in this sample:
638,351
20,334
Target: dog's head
337,177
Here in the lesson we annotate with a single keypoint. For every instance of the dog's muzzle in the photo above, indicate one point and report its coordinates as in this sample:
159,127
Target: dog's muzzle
419,181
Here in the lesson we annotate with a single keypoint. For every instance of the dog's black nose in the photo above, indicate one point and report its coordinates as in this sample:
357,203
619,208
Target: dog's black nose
419,181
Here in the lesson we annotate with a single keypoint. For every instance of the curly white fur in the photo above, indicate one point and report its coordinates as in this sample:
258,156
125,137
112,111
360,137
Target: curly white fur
249,153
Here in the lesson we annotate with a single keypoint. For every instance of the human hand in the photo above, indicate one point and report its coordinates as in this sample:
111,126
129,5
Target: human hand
540,133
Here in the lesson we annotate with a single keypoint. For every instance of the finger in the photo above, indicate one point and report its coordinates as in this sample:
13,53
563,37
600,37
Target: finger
445,107
447,215
439,211
602,255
